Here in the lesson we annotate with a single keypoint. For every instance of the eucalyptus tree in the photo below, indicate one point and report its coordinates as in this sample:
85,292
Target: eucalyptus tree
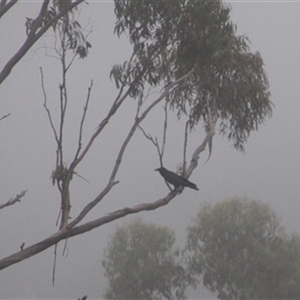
239,250
186,51
141,262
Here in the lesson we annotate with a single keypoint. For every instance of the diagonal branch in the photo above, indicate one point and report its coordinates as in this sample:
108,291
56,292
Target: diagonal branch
5,116
68,233
46,107
4,7
205,142
85,108
12,201
185,145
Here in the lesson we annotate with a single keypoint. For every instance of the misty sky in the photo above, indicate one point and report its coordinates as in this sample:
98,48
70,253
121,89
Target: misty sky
268,171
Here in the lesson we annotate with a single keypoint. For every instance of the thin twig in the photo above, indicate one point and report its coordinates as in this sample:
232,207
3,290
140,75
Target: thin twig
5,116
149,137
164,135
85,108
185,144
46,107
54,264
12,201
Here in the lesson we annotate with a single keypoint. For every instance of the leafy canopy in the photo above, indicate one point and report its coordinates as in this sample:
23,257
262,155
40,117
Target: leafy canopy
140,263
172,38
240,250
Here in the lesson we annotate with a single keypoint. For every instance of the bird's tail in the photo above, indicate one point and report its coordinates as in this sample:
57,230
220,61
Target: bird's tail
193,186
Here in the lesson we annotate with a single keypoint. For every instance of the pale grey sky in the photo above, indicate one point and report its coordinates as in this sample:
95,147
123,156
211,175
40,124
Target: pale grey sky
269,170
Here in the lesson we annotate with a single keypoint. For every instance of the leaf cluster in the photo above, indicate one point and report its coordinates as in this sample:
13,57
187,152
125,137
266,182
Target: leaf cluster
171,38
72,29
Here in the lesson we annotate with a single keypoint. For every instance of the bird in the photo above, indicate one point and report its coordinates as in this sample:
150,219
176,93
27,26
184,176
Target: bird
176,179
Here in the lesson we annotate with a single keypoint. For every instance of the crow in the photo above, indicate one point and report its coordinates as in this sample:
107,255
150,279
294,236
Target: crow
175,179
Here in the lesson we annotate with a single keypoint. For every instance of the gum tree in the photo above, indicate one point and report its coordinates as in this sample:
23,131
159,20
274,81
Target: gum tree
141,262
240,251
188,52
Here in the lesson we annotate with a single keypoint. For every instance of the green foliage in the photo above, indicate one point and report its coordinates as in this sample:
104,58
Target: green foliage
171,38
66,26
140,263
242,252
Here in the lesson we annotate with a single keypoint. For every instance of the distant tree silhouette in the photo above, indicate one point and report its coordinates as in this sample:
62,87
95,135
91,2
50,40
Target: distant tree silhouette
240,251
141,263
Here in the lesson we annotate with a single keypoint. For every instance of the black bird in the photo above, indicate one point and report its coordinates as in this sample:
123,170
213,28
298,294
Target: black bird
175,179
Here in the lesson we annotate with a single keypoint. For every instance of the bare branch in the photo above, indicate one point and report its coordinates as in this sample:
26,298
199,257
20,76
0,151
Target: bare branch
46,107
201,148
12,201
4,7
185,144
164,136
5,116
54,264
68,233
151,139
82,121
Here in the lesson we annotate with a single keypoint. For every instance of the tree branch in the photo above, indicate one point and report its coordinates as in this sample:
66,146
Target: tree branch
136,124
67,233
201,148
5,116
117,103
4,7
82,121
46,107
185,144
12,201
71,230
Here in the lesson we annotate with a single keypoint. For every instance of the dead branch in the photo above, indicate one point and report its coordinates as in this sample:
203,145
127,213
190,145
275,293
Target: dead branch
12,201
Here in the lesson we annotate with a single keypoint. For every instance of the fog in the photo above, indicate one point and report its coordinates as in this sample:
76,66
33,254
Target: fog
268,171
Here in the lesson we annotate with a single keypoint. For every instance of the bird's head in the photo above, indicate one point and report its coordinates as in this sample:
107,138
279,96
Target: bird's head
159,169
